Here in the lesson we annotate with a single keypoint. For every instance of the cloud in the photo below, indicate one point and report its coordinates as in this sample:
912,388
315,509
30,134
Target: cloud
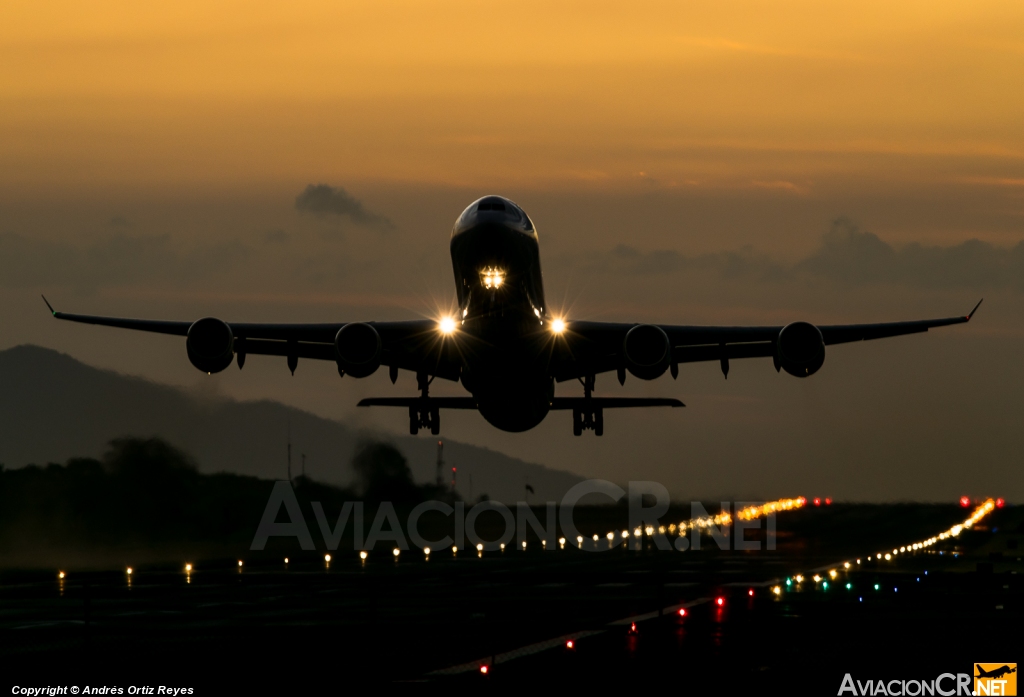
323,200
850,256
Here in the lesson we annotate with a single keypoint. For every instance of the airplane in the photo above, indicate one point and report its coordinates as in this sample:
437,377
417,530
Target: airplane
505,344
994,673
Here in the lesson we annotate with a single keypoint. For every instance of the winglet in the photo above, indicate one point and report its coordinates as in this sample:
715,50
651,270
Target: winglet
975,309
52,311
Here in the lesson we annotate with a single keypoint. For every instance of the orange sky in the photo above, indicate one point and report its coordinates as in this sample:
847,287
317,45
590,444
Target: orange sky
791,98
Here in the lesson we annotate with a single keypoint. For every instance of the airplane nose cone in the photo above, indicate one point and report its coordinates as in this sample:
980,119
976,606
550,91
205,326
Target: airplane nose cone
494,210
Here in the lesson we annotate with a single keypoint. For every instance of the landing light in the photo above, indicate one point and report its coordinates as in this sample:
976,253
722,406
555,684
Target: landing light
446,325
558,326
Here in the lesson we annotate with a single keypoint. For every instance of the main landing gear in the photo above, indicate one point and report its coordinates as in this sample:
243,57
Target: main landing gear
590,417
423,415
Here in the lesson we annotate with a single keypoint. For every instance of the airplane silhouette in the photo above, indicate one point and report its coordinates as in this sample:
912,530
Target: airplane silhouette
995,672
505,344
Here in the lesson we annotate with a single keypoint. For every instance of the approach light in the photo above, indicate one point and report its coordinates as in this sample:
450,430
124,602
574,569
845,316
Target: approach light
483,670
286,560
846,565
446,325
426,551
479,547
558,326
595,538
719,601
362,555
817,502
777,590
610,536
396,552
751,592
570,644
888,556
579,540
682,612
817,578
455,549
60,575
625,534
327,558
188,568
524,544
833,573
239,563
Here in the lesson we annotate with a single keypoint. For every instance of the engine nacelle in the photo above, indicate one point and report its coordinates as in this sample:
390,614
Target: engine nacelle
210,344
800,350
647,351
358,347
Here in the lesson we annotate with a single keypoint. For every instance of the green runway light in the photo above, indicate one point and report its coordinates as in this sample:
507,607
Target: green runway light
789,582
849,586
876,586
825,585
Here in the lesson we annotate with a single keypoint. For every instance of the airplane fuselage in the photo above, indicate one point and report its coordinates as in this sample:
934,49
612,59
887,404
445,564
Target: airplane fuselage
502,344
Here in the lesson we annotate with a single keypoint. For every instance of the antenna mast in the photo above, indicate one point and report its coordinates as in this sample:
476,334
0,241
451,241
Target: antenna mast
440,463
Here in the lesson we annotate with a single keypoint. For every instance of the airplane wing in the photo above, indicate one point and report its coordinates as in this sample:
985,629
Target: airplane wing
596,347
410,345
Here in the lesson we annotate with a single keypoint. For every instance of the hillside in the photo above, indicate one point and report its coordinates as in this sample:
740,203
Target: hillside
53,407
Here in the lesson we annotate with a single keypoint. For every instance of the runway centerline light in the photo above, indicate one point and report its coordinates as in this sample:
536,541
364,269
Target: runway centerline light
396,552
479,547
327,558
362,555
239,563
426,551
60,574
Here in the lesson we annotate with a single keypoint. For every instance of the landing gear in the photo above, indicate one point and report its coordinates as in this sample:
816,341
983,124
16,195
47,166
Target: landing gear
588,420
422,415
589,417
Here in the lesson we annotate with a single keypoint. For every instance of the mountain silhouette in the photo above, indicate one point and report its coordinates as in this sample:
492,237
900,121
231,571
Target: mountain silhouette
53,407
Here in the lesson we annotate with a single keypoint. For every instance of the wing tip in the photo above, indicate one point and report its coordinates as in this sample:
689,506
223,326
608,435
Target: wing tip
52,311
971,314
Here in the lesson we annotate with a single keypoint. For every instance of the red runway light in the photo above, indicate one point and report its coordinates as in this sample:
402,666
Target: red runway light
632,628
682,612
484,669
828,502
802,500
817,501
965,501
1000,503
570,644
720,601
751,592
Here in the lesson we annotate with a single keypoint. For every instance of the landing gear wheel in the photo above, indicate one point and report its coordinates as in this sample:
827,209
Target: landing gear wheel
577,422
414,421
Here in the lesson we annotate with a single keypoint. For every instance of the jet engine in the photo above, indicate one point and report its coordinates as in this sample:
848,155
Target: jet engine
647,351
358,346
210,344
800,350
